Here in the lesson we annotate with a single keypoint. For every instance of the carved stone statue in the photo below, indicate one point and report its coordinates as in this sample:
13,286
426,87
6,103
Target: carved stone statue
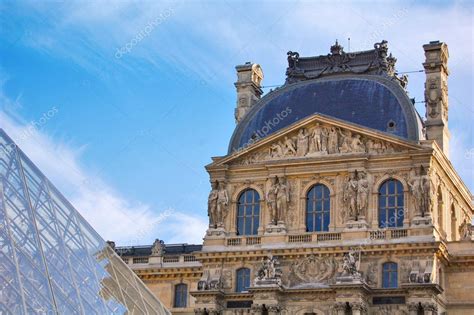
302,143
349,264
292,59
289,147
222,203
357,146
212,205
362,194
276,150
268,273
420,189
350,195
283,199
346,137
465,230
158,248
271,198
318,139
333,141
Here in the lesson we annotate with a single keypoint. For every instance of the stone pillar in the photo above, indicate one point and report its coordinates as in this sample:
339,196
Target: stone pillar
430,309
249,78
273,310
413,308
358,308
436,93
340,308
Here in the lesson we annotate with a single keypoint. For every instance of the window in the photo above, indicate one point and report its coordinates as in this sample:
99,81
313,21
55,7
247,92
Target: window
391,212
389,275
248,213
180,295
317,209
243,280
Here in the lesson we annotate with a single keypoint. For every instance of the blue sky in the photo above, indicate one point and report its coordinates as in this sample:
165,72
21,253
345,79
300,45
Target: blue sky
140,95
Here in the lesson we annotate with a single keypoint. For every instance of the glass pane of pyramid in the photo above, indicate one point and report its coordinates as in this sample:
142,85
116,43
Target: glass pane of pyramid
51,260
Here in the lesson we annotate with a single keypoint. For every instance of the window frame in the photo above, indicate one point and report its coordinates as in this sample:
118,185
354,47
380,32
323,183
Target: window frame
179,300
390,274
242,274
242,216
324,212
385,210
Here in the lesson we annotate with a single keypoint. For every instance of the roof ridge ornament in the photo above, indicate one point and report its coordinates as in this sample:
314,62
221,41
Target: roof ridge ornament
337,49
376,61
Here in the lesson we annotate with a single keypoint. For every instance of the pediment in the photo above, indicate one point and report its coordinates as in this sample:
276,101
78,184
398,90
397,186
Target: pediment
318,136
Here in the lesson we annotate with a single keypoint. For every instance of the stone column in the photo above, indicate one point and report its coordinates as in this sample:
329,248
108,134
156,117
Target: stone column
273,310
340,308
430,308
412,308
358,308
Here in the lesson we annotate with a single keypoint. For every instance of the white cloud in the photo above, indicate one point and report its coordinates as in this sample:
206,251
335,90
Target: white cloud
111,214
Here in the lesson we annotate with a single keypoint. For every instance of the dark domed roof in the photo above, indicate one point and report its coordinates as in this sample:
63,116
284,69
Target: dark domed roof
372,99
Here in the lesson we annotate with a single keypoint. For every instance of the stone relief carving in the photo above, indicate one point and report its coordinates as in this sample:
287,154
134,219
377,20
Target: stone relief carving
218,201
268,272
419,184
313,269
211,280
319,140
420,270
371,274
355,196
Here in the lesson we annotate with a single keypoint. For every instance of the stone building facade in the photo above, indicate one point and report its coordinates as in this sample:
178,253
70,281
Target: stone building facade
335,197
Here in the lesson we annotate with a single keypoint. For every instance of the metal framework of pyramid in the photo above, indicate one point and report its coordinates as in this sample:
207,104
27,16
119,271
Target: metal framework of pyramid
51,260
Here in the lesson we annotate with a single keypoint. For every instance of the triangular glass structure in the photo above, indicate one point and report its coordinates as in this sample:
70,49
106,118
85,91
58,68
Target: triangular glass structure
51,260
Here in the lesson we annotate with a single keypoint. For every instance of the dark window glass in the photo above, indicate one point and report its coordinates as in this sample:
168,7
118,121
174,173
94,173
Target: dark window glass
180,295
243,280
391,212
248,213
317,209
389,275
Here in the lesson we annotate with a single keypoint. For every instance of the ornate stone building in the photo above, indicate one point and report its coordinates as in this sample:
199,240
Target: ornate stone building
335,197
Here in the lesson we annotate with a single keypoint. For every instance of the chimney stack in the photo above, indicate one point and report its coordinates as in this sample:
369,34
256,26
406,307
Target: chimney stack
249,77
436,93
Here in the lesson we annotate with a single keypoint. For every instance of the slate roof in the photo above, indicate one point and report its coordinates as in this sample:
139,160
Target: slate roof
170,249
362,88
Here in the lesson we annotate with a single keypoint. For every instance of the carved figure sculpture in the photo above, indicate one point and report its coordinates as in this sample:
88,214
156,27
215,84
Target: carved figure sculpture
362,194
346,141
302,143
318,139
276,150
272,200
212,205
289,147
420,188
351,195
283,199
268,269
333,141
222,203
349,264
465,230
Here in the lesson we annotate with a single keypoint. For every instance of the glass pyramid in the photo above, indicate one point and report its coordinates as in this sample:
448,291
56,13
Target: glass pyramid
51,260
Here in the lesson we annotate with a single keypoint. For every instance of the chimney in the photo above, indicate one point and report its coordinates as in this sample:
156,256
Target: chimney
249,77
436,93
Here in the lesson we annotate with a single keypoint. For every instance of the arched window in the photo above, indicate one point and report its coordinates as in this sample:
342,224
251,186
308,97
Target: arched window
243,280
317,209
180,295
391,212
248,213
389,275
